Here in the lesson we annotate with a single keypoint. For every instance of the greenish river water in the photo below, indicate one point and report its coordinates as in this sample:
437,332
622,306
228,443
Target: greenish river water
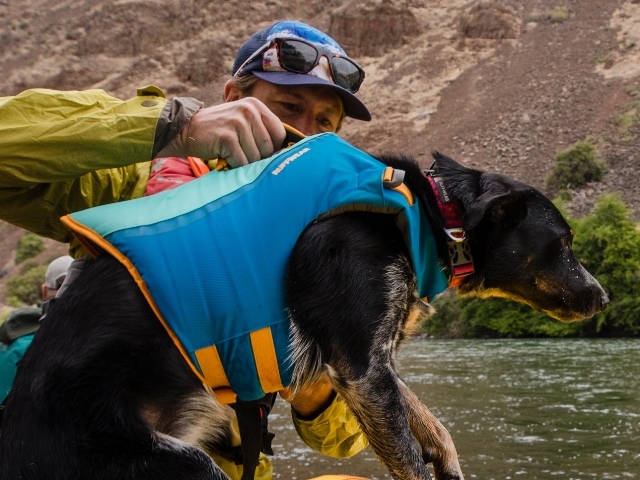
517,409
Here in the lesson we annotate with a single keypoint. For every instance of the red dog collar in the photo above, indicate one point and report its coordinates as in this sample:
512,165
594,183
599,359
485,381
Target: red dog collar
460,259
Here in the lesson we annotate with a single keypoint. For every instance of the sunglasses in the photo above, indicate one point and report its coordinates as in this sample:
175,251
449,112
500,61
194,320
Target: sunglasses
298,56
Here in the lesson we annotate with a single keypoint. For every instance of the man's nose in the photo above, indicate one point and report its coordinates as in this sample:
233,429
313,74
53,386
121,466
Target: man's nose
306,124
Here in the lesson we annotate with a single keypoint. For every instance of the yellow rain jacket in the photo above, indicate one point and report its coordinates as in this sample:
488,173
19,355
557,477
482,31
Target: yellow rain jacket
61,152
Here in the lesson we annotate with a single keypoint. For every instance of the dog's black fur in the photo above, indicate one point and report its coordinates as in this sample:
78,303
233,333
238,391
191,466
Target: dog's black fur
102,393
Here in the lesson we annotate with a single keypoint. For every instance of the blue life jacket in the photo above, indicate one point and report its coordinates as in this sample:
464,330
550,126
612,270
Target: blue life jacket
211,255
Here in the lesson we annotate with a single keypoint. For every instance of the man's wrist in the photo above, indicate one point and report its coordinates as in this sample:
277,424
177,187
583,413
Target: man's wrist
175,116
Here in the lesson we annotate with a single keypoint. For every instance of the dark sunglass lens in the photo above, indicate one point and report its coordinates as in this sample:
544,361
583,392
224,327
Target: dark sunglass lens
297,56
346,73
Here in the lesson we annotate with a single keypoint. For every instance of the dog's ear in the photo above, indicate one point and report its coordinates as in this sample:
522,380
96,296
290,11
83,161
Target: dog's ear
499,197
480,193
462,182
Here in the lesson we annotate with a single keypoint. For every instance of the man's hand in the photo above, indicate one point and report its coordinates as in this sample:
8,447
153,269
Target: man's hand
242,131
313,400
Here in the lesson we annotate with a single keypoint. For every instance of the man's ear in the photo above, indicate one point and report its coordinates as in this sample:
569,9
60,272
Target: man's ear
231,91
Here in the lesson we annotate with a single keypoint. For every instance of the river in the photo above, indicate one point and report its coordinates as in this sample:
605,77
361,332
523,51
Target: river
517,409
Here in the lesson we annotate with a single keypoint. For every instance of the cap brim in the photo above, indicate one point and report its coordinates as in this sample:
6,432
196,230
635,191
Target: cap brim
353,107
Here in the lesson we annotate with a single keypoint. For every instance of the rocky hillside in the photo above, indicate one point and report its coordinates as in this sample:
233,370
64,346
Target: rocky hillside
501,85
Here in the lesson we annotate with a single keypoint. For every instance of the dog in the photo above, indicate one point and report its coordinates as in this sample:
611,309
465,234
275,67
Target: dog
103,392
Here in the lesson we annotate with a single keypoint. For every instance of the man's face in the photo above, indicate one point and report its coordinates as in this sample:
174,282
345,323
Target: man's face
309,109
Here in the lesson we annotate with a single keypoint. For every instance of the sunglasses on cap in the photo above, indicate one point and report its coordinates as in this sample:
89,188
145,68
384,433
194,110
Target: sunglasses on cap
298,56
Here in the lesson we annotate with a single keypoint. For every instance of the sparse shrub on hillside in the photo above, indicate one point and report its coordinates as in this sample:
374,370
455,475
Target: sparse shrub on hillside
628,122
25,288
29,246
564,196
576,166
557,15
28,265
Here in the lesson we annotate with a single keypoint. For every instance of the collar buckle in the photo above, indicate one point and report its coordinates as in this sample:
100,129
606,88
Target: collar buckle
457,235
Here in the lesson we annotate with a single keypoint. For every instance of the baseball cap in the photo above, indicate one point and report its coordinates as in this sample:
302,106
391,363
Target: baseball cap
353,107
56,271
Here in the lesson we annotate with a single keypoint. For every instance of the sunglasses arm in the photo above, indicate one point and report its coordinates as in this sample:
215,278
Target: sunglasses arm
253,56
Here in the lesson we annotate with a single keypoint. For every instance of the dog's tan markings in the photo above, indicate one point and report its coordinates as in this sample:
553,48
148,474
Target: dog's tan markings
565,314
495,293
387,431
401,295
432,436
389,416
417,316
434,439
151,415
201,421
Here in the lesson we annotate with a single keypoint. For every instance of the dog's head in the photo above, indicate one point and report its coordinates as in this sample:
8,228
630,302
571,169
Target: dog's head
521,244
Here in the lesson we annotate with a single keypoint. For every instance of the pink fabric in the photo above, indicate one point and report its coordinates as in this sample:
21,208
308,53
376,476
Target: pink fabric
167,173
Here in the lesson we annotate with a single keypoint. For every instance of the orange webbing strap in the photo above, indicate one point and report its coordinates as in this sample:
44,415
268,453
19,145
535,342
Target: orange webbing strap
214,374
404,190
221,164
225,395
292,136
85,234
198,167
390,180
264,353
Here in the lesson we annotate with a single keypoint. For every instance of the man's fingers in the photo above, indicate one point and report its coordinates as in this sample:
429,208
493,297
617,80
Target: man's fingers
274,129
236,157
241,131
262,132
267,132
246,142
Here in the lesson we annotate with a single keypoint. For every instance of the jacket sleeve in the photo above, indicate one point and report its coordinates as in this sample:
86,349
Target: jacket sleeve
48,136
65,151
335,432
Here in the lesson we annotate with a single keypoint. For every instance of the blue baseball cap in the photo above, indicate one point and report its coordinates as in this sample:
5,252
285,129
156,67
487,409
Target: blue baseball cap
353,107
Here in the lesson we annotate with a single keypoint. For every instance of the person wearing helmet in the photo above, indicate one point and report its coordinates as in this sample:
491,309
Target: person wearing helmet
20,326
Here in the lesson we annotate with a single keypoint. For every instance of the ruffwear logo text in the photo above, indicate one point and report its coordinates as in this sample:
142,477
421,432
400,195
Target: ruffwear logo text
290,159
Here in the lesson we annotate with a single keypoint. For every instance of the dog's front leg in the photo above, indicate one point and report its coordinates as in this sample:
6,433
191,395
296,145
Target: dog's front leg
433,437
377,403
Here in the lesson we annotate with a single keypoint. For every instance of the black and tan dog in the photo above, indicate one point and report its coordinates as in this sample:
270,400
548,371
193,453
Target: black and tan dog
103,393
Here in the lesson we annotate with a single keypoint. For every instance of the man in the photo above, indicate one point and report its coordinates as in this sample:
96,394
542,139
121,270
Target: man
20,326
64,152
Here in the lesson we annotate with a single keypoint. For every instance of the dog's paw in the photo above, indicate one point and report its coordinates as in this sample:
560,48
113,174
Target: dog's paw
441,471
446,473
